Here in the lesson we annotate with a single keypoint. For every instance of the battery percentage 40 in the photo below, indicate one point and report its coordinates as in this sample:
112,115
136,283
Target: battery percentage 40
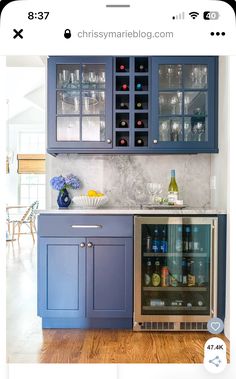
211,15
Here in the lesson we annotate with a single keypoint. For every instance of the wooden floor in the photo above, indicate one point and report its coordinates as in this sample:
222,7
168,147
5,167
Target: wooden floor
28,343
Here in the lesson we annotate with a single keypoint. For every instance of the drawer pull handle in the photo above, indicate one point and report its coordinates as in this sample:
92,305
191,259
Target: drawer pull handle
82,244
86,226
90,244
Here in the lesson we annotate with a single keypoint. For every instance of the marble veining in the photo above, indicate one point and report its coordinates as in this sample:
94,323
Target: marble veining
124,177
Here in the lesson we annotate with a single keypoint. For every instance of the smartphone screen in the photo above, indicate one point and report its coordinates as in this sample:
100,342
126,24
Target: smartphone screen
118,169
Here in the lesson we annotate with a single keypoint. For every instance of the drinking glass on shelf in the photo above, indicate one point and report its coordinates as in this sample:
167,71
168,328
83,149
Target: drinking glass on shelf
77,77
199,130
161,103
174,103
175,131
170,72
63,78
179,75
186,103
164,131
101,77
187,131
92,77
76,104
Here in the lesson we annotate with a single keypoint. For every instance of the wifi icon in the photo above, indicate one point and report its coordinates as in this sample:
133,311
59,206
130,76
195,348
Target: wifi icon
193,15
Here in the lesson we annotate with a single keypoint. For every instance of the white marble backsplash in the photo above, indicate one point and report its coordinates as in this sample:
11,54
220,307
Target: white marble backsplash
124,177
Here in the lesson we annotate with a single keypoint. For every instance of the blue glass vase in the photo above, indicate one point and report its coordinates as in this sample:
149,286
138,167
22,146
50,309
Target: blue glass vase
63,199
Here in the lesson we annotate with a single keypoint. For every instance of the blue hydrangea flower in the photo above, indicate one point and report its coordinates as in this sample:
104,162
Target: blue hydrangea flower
58,183
72,181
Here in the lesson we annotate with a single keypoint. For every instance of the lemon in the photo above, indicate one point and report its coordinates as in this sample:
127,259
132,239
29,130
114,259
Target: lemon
100,194
91,193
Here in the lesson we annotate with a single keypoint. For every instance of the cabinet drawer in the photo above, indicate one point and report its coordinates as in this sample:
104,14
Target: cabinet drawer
85,226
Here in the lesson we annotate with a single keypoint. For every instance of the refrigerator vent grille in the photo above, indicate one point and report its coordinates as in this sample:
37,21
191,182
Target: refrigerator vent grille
174,326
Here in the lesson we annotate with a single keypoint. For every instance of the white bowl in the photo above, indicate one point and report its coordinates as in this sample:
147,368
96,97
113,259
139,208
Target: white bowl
88,202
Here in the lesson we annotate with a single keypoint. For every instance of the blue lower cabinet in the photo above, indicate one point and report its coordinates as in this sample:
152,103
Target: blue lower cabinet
109,278
61,277
85,282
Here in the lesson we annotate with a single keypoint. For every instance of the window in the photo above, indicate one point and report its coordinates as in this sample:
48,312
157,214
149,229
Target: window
32,187
31,142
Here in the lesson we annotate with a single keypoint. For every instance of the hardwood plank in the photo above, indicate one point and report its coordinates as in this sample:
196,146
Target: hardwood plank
28,343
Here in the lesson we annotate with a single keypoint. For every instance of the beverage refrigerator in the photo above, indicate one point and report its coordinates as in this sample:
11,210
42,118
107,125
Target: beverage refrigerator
175,265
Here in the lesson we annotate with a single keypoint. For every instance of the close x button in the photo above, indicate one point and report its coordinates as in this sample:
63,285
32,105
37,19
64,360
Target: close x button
18,33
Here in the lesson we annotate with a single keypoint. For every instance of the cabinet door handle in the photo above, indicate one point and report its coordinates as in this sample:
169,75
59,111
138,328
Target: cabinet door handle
86,226
90,244
155,141
82,244
109,140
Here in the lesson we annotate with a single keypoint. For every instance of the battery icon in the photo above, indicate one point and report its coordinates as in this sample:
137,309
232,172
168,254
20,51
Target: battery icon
210,15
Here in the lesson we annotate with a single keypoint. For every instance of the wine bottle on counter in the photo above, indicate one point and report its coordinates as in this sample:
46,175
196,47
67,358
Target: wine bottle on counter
123,105
139,142
139,124
124,87
123,124
173,190
122,142
139,105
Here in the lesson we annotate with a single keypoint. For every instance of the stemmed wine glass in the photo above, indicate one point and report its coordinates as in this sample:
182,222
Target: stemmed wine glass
153,189
199,130
170,72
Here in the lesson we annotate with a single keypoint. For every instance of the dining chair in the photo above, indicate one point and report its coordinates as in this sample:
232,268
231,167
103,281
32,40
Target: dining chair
27,219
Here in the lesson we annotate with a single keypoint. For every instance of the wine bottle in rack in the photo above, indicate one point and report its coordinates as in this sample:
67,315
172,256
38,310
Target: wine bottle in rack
122,142
139,87
122,68
139,105
123,124
123,105
139,124
124,87
141,68
139,141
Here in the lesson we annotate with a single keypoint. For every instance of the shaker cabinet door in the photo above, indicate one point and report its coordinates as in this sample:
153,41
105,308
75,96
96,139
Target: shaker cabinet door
109,277
184,104
79,103
61,277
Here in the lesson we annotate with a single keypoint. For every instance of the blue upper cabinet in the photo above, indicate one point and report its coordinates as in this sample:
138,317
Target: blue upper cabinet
184,104
79,103
133,105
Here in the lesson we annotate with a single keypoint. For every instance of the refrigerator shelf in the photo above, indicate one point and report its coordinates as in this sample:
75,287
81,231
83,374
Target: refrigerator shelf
172,308
175,289
185,255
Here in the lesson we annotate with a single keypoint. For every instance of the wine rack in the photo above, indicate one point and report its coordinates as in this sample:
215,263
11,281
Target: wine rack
132,103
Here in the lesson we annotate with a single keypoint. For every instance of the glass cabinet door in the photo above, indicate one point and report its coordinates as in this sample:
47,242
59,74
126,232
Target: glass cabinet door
83,102
176,265
182,102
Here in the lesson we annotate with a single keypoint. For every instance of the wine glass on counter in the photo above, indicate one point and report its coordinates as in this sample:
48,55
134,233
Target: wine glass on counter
153,189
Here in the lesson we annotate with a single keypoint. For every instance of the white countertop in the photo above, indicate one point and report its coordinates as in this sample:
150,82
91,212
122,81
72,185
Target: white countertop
131,211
